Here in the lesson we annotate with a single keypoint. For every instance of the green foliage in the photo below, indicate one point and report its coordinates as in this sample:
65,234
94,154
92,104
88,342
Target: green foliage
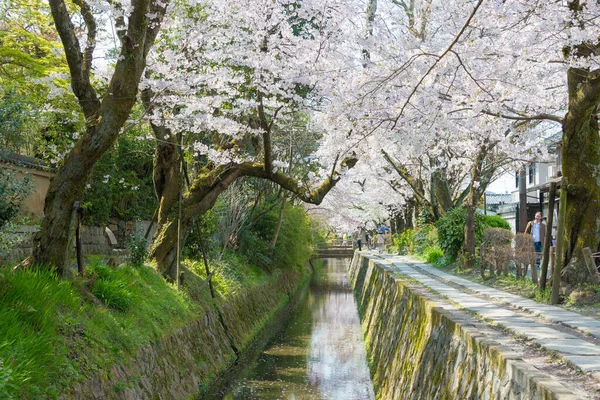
424,238
121,184
432,255
404,241
496,221
137,249
113,293
13,192
451,231
51,337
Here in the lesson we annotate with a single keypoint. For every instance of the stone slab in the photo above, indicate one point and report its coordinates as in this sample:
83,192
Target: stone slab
572,346
585,363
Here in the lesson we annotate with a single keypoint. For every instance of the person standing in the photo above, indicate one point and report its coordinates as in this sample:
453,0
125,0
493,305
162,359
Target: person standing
537,230
380,242
367,240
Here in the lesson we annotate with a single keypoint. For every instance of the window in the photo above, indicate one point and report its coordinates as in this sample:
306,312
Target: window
531,170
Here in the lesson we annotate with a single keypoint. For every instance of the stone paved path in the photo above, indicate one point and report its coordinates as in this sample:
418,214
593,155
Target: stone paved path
506,309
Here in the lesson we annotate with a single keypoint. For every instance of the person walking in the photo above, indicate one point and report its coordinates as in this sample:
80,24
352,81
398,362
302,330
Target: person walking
537,230
367,240
380,242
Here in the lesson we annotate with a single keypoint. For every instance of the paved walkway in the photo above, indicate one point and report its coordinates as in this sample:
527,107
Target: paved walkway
538,323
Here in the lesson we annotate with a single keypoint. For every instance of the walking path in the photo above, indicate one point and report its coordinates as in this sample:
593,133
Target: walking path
547,326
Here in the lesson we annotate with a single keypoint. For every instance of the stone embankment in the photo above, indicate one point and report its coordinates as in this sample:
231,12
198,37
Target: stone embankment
184,363
423,346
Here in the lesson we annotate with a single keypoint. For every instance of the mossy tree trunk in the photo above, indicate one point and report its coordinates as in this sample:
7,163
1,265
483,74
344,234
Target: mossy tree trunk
581,166
104,117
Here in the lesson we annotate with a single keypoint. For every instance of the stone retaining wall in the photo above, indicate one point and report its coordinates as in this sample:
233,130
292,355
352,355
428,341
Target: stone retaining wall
419,350
185,362
94,240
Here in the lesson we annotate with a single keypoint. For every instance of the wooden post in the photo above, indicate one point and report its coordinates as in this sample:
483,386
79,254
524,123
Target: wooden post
591,265
552,260
522,200
560,240
79,212
548,242
534,272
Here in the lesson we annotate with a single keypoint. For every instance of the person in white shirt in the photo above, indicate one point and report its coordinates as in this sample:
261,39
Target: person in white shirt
380,241
537,230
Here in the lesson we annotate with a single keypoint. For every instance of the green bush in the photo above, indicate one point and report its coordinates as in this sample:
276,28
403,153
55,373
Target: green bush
13,192
137,249
451,231
433,254
404,241
424,237
496,221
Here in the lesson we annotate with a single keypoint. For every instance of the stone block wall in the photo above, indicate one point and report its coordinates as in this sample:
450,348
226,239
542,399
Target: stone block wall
419,350
94,240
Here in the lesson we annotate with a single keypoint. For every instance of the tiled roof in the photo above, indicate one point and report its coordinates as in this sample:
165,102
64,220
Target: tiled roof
498,198
24,161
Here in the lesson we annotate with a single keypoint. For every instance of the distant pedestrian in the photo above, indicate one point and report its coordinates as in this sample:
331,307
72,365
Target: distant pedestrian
537,230
367,240
359,244
380,242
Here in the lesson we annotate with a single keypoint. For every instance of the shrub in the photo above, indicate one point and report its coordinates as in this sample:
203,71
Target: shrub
424,238
13,192
451,231
497,236
433,254
496,221
404,241
137,249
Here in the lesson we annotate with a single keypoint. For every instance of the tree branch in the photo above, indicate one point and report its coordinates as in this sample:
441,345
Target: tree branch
537,117
79,64
440,57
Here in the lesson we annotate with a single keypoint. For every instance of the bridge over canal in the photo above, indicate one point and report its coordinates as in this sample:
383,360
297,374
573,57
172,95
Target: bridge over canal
335,249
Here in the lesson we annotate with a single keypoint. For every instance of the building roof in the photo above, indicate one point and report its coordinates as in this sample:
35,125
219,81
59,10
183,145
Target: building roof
25,161
498,198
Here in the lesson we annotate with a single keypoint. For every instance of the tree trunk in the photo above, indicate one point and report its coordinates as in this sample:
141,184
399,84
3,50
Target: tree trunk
104,119
278,226
469,247
581,166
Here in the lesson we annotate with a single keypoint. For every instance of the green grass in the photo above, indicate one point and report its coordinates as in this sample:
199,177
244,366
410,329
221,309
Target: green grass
52,335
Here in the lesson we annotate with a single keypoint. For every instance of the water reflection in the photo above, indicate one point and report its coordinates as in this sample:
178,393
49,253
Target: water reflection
320,355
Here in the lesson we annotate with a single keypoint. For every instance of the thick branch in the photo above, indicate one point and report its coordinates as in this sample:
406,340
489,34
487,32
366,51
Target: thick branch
80,81
537,117
90,23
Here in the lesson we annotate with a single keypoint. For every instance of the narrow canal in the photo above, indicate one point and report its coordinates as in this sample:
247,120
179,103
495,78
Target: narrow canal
319,354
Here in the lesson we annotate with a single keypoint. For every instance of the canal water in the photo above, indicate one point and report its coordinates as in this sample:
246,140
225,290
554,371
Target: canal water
320,354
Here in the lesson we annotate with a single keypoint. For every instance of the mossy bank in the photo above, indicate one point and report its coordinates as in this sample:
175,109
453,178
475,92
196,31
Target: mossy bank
419,347
184,363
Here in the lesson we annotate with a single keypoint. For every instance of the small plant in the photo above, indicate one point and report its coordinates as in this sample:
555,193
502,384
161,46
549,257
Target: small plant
137,249
120,386
542,296
6,385
113,293
404,241
433,254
